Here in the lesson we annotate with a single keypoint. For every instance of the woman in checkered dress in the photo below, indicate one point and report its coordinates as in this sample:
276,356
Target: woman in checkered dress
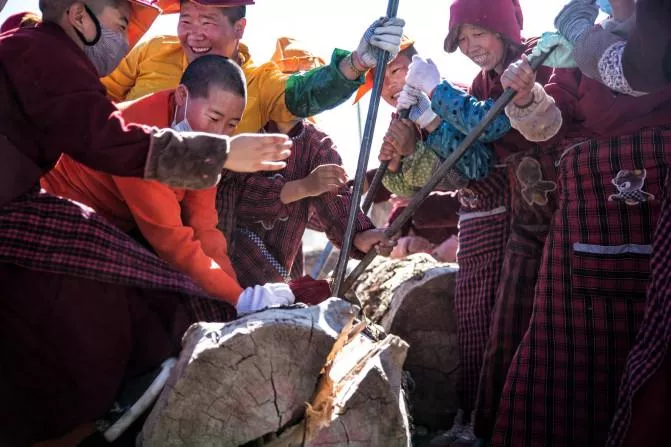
486,205
561,389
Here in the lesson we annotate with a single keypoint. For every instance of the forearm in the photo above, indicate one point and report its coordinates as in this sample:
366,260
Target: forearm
465,112
323,88
292,192
538,121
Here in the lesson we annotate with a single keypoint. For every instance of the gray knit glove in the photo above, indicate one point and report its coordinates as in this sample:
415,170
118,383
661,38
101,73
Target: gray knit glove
576,18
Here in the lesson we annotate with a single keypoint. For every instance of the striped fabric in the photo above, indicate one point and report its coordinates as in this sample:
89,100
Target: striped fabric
42,232
561,389
483,233
259,216
532,176
652,342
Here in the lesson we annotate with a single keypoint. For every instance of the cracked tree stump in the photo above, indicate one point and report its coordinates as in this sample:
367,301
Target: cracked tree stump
239,382
414,299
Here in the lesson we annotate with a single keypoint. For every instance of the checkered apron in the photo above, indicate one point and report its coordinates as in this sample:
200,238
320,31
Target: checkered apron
483,232
562,384
652,342
42,232
532,176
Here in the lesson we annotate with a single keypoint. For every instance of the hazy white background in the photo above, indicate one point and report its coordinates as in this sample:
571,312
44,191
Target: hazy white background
323,25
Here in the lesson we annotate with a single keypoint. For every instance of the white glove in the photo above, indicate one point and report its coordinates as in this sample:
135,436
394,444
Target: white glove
384,34
407,98
419,104
255,298
423,74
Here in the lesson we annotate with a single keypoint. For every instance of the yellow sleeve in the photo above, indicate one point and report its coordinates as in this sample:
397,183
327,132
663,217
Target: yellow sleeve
122,80
272,86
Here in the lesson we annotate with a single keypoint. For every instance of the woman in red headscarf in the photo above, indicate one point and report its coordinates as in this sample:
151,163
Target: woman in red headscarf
505,218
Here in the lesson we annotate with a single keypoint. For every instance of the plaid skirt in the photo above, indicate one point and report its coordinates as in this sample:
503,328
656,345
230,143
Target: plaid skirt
652,342
83,308
42,232
483,232
562,385
532,176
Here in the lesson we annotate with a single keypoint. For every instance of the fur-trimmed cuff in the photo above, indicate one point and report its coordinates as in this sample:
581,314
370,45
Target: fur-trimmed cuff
538,122
190,160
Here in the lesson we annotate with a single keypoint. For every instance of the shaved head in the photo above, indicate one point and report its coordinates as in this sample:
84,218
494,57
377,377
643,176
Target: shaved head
52,10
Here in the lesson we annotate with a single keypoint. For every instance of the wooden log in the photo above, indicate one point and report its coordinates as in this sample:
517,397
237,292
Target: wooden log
413,298
241,382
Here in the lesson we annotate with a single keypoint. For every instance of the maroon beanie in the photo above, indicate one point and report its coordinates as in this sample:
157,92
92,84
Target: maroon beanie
499,16
18,20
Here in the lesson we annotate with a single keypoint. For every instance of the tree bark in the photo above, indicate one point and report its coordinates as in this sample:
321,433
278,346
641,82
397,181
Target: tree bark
248,380
413,298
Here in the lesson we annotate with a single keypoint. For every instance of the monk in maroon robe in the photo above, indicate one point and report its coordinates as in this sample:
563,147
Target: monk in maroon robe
82,306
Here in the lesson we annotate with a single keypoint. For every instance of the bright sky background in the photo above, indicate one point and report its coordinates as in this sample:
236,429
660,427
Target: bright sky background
323,25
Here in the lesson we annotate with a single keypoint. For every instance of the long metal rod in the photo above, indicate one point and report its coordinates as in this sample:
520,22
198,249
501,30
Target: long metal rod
442,171
318,269
364,155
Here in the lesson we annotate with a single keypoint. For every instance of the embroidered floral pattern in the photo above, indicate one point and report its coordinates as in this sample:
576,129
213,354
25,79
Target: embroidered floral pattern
612,72
468,198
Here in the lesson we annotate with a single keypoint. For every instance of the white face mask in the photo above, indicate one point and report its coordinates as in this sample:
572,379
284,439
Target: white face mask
182,126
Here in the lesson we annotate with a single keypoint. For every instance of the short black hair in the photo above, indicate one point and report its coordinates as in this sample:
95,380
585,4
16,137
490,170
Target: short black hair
234,13
212,70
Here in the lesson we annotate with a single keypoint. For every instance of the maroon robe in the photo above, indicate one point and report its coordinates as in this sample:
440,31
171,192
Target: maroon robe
561,388
75,318
52,103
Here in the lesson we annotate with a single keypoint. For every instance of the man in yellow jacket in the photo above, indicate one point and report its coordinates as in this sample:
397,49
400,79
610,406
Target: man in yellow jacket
216,27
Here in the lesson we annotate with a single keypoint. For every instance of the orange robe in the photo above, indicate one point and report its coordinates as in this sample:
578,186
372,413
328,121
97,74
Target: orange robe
180,225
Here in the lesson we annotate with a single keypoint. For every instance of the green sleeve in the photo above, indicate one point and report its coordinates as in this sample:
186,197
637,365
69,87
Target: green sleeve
323,88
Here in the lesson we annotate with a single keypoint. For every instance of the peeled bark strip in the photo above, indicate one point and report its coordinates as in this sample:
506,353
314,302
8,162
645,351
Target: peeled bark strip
237,382
413,298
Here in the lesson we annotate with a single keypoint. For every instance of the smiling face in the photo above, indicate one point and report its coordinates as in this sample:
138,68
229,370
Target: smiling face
394,78
483,47
206,30
219,112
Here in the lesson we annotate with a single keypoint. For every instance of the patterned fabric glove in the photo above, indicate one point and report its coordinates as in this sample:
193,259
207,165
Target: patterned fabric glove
256,298
384,34
420,111
407,98
561,57
423,74
576,18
